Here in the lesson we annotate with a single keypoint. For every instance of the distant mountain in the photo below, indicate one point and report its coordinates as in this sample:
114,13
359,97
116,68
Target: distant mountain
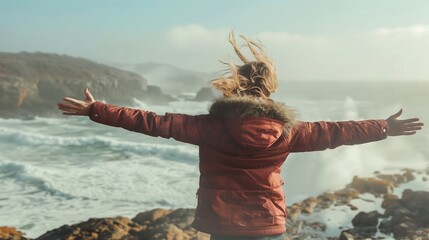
171,79
32,83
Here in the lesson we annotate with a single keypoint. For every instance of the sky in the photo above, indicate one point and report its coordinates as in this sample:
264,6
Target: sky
307,39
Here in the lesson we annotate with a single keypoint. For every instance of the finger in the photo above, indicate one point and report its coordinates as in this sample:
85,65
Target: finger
65,106
72,100
89,95
409,133
72,113
410,120
396,115
419,124
413,128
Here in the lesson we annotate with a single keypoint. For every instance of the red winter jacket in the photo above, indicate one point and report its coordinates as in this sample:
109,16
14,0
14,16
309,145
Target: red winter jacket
243,143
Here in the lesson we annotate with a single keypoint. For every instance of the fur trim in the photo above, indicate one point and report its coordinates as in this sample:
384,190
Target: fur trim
254,107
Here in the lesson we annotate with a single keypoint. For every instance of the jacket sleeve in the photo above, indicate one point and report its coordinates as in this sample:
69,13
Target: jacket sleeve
316,136
178,126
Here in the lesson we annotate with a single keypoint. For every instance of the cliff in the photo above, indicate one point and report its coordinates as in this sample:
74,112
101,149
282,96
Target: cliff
32,83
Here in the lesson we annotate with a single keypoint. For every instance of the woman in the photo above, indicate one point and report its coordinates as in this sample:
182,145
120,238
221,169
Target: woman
243,142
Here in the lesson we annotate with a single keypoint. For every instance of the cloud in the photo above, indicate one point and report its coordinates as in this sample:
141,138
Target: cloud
204,46
195,35
371,55
286,37
417,30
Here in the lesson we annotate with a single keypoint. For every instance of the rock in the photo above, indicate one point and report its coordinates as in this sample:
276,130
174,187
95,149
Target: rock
403,230
345,195
385,226
416,200
409,216
181,217
167,224
97,228
293,212
352,207
408,175
325,200
397,179
310,202
205,94
144,218
345,235
399,214
358,233
10,233
307,210
372,185
171,79
424,221
308,205
390,201
363,219
154,95
166,231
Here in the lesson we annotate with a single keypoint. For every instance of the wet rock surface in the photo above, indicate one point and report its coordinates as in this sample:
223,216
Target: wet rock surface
405,217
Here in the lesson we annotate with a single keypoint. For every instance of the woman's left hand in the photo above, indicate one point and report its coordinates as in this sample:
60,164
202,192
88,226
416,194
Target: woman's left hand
75,107
403,127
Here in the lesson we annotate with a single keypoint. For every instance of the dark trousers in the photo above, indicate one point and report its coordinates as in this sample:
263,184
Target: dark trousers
275,237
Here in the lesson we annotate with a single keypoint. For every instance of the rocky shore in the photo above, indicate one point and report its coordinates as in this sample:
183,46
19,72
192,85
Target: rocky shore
404,216
31,84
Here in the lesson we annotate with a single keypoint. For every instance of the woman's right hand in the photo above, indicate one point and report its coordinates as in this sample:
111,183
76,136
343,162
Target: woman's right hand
71,106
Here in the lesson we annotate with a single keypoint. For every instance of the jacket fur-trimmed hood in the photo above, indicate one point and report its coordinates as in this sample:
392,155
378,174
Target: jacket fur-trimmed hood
241,107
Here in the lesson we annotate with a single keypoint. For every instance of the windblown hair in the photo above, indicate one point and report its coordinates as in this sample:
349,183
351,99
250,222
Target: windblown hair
254,79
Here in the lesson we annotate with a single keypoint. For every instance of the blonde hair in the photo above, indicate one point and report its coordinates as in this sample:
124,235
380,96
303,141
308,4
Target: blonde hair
255,78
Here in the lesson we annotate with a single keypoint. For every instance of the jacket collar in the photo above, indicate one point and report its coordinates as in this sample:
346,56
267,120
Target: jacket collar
242,107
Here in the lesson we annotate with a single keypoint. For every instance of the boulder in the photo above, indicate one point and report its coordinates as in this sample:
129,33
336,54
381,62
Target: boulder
408,216
97,228
325,200
155,96
345,195
145,218
293,212
417,201
167,224
364,219
372,185
205,94
390,201
10,233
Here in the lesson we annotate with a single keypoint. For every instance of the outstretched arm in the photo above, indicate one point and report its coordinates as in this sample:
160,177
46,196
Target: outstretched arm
178,126
315,136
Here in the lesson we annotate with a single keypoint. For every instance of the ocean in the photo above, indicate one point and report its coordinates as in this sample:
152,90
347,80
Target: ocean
57,171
